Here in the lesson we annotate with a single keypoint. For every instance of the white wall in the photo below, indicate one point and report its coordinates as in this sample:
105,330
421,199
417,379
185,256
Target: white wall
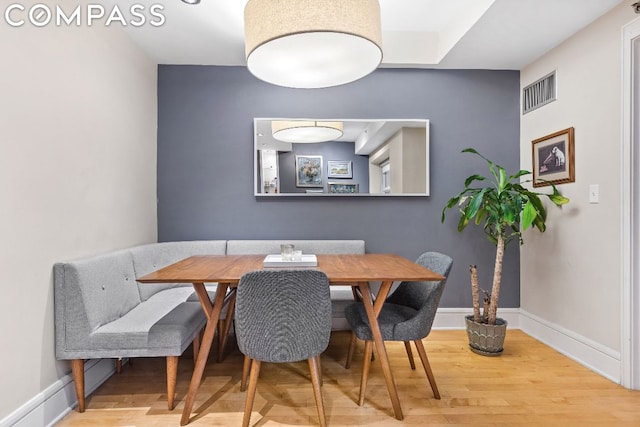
571,275
78,123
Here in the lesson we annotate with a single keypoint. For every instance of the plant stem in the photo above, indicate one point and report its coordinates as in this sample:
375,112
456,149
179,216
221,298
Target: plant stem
475,293
497,278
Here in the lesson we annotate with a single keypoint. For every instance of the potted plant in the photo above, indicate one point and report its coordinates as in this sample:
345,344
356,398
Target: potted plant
504,208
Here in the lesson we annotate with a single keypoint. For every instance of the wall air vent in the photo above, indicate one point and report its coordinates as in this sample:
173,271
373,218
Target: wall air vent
539,93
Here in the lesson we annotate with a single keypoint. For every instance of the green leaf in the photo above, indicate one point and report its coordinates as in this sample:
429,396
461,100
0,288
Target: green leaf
481,216
537,203
472,178
522,172
558,199
503,178
528,215
452,202
492,168
474,204
508,213
539,223
470,150
464,221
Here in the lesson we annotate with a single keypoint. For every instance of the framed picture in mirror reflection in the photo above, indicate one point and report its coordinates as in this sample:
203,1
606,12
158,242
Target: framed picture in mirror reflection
342,187
308,171
339,169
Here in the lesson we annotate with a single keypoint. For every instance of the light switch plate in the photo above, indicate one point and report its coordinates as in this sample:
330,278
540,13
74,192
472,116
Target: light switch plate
594,193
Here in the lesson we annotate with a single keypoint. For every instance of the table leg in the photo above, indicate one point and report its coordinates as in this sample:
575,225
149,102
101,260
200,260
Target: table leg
372,314
213,315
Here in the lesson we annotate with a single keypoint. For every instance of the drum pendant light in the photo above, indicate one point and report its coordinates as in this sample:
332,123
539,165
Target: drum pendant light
298,131
312,43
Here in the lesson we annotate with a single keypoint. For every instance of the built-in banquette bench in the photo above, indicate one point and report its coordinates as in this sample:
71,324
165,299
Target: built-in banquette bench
102,312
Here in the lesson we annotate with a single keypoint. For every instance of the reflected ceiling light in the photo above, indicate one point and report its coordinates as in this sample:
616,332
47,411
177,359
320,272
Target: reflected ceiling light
301,131
312,43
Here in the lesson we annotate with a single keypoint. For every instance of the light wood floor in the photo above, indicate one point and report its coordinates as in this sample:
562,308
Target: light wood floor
529,384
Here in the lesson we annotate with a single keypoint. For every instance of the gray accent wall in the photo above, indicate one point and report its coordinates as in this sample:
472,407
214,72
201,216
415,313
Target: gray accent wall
205,162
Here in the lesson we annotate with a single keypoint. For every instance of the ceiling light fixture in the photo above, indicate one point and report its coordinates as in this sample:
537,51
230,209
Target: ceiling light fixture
312,43
191,1
301,131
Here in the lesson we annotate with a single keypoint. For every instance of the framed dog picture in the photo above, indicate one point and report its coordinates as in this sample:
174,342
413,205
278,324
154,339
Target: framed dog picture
553,159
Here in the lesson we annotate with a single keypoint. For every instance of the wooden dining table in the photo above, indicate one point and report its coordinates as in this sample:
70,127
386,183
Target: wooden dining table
352,270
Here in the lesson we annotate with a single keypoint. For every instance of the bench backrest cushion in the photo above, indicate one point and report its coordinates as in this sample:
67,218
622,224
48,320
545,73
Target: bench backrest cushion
256,247
95,291
148,258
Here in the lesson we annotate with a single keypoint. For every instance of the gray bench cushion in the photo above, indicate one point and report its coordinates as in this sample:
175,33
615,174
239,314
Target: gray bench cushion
149,258
154,328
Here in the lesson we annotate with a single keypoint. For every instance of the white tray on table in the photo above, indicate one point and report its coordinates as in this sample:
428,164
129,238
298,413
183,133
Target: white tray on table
307,260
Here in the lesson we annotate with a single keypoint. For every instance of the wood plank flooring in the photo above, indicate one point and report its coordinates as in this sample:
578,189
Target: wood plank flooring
529,384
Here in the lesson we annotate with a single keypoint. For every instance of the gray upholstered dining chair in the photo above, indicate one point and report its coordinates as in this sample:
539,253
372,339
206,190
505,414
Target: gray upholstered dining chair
283,316
406,315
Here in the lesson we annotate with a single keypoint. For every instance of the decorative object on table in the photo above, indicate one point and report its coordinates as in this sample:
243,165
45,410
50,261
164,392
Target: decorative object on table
286,251
312,43
553,158
308,171
283,316
343,187
407,315
504,208
339,169
304,131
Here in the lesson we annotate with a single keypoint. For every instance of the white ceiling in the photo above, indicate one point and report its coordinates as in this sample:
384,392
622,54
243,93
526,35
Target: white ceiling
482,34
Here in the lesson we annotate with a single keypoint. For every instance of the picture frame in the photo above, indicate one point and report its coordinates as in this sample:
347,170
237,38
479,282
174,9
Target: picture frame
308,171
339,169
553,158
342,187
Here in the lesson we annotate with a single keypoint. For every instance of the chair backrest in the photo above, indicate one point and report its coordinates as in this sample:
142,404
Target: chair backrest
423,296
283,315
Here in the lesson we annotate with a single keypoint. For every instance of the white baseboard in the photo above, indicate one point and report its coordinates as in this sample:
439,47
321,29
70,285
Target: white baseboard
595,356
453,318
49,406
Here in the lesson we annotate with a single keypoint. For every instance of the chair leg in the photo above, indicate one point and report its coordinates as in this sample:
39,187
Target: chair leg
172,375
118,365
316,381
77,369
427,368
319,362
226,327
407,346
246,366
251,392
352,347
368,350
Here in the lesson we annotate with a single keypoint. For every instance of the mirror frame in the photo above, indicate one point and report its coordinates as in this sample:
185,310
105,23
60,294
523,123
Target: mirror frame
256,150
